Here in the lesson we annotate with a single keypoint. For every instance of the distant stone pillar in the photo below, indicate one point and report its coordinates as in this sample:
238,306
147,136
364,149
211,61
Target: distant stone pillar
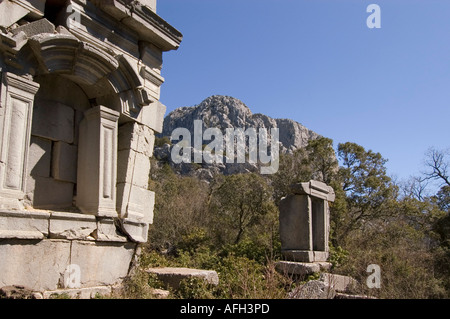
305,222
16,107
97,162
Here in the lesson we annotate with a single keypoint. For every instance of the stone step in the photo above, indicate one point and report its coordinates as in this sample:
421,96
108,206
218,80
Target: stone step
172,276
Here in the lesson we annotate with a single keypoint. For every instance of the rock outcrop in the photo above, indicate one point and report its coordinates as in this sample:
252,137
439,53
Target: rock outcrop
225,112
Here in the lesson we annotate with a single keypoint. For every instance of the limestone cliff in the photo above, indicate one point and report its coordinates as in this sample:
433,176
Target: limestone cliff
227,112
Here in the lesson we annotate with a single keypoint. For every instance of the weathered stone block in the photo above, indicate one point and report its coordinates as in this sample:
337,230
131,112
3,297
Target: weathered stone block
15,13
102,264
135,203
64,162
136,137
338,282
24,224
72,226
53,121
305,255
107,231
152,115
39,157
296,223
133,168
297,268
172,277
35,264
48,193
34,28
137,232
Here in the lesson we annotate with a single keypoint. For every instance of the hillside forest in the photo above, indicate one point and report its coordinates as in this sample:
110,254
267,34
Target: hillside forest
230,224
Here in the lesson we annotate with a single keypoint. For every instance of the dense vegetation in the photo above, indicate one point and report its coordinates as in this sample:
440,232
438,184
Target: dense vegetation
231,225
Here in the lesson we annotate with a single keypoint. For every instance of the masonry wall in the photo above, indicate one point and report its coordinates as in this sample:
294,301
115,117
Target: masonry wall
52,163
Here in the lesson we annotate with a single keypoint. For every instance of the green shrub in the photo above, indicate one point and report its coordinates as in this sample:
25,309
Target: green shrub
194,288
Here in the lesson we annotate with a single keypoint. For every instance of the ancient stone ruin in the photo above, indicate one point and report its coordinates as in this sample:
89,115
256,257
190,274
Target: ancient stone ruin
305,228
79,107
305,222
304,233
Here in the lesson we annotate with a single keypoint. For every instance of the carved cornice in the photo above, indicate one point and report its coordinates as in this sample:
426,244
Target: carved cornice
141,19
315,189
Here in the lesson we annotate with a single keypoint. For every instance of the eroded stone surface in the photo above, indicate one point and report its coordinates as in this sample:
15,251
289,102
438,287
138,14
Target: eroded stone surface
72,226
313,289
172,277
288,268
338,282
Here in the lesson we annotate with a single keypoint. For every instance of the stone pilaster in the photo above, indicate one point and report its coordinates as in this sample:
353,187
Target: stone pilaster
97,162
134,201
17,96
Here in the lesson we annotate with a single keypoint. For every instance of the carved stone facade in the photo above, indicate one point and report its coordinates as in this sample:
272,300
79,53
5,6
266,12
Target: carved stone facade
79,109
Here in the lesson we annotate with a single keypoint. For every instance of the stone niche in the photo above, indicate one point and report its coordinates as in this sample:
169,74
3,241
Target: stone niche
79,109
305,222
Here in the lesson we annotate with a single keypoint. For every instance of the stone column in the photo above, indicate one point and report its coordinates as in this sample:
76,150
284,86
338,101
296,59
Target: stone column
17,96
97,162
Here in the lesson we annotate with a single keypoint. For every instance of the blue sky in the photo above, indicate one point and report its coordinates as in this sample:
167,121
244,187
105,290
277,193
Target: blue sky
317,62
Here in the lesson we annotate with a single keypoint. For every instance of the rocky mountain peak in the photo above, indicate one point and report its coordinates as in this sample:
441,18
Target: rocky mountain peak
228,112
224,112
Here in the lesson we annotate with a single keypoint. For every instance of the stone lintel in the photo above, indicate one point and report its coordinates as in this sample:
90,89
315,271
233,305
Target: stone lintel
314,189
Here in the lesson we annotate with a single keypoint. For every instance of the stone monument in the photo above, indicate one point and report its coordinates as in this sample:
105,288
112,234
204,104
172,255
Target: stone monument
79,107
305,227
